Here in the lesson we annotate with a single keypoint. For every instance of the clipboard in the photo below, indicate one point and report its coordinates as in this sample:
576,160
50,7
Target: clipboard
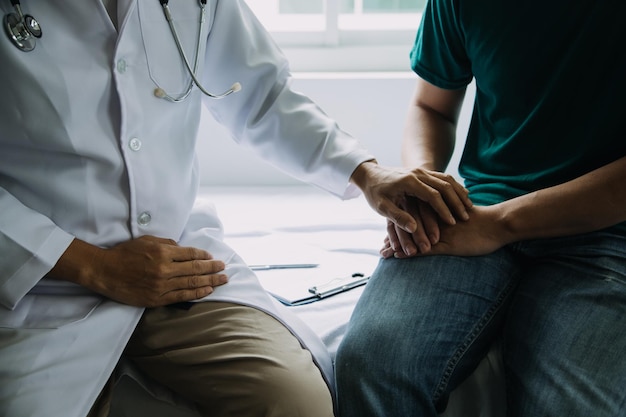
296,272
339,285
328,289
335,274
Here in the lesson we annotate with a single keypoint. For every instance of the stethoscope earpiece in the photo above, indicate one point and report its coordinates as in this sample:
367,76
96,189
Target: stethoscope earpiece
22,30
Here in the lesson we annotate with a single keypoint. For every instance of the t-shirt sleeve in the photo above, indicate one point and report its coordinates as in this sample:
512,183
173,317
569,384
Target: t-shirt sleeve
439,54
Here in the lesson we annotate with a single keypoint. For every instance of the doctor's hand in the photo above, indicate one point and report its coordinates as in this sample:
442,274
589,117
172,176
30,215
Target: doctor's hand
145,272
416,200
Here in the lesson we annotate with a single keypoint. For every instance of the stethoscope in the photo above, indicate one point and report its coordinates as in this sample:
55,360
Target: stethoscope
23,30
159,92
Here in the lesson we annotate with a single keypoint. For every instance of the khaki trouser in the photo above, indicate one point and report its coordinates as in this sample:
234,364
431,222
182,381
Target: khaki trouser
229,359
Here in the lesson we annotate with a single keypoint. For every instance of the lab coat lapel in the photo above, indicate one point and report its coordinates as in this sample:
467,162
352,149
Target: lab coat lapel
124,10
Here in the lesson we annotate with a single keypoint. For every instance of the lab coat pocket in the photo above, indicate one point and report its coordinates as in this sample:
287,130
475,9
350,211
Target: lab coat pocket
44,311
166,66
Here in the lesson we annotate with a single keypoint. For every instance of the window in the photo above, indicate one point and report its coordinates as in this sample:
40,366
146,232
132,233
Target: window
342,35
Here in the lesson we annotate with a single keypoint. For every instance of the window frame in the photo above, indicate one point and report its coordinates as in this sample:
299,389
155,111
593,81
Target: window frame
340,43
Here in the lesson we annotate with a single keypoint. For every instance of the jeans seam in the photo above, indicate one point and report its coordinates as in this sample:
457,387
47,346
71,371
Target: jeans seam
469,340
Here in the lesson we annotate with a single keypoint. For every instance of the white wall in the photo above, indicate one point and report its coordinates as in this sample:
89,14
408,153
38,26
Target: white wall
370,106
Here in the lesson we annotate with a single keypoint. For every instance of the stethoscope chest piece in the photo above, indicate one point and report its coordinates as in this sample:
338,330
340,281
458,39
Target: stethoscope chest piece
22,30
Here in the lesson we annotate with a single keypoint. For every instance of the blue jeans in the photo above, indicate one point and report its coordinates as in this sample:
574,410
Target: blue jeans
423,324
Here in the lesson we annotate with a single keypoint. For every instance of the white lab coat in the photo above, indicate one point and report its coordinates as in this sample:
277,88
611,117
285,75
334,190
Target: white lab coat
87,151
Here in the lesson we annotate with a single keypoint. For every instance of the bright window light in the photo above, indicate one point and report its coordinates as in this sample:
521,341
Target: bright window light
321,15
388,26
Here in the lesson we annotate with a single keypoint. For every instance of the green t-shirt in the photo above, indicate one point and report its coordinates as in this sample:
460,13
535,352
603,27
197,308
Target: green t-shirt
550,87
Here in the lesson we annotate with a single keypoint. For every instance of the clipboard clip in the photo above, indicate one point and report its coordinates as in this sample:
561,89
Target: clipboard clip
338,285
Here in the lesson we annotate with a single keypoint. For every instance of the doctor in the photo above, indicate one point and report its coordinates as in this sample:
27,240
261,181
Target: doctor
101,244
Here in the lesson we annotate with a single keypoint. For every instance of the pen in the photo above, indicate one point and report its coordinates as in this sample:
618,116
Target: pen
281,266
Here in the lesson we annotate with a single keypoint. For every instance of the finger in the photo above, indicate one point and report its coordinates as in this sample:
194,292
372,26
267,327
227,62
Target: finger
412,243
187,253
453,194
199,267
160,240
392,236
179,296
463,194
430,223
402,255
398,216
386,248
426,191
200,281
387,252
195,282
447,196
189,268
461,191
183,288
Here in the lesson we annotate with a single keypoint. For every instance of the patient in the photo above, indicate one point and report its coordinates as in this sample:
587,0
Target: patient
102,247
541,262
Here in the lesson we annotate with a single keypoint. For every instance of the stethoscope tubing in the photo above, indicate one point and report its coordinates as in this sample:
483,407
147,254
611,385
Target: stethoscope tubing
159,92
23,30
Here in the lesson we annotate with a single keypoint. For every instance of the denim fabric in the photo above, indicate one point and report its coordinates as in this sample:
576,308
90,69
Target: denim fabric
423,324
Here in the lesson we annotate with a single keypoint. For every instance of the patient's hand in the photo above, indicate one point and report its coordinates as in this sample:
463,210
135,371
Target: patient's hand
480,235
408,244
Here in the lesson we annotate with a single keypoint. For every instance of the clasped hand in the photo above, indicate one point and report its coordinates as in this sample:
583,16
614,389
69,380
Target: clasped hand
481,233
428,212
415,201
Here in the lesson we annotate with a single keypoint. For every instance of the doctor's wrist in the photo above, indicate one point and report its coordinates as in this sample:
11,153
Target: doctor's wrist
360,176
76,264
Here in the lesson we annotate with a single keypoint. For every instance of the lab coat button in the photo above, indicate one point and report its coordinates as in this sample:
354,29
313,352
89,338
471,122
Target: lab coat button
144,218
134,144
121,66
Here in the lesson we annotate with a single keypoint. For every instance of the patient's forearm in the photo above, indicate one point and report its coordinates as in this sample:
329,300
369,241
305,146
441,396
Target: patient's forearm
430,126
588,203
428,140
